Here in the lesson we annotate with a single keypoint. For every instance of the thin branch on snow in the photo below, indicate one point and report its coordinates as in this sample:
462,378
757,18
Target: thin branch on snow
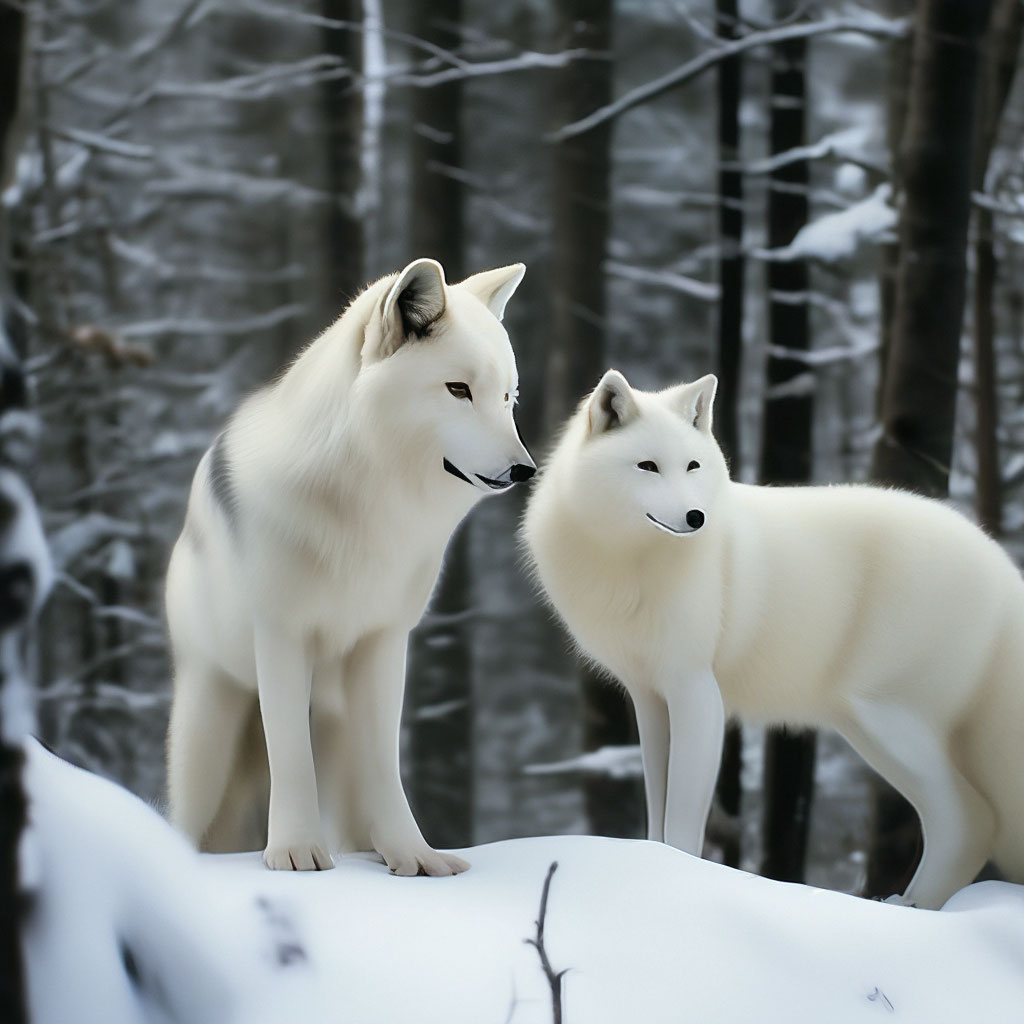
895,29
554,977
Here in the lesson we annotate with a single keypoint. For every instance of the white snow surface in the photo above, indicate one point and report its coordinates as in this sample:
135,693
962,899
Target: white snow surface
644,932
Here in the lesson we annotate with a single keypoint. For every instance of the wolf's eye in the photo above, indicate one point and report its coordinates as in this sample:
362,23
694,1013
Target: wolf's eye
459,390
506,396
692,466
648,466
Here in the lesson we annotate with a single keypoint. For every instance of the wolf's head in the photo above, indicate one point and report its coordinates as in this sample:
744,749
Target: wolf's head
633,463
437,359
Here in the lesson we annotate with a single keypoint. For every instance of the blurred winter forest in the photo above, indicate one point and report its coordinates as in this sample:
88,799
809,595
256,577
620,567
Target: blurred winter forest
820,201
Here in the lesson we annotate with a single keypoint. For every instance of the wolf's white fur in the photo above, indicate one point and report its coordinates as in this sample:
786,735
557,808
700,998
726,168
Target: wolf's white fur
883,615
313,537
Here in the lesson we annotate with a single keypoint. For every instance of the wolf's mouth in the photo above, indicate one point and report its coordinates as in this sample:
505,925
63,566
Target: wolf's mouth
494,485
455,471
691,527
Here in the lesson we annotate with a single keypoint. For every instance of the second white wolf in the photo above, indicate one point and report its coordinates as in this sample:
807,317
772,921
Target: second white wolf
883,615
313,537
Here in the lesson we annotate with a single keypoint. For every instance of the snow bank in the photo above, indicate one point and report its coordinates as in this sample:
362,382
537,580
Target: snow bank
128,924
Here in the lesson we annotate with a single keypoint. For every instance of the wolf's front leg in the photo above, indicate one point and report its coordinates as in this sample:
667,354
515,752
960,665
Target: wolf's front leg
284,672
375,677
652,724
696,730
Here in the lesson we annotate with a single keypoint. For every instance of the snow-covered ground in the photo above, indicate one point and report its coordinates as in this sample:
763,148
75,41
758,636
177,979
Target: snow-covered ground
127,924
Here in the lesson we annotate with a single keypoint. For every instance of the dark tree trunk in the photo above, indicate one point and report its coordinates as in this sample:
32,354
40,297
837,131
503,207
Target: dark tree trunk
1002,44
919,396
730,346
581,214
343,118
786,446
441,664
576,360
13,801
918,403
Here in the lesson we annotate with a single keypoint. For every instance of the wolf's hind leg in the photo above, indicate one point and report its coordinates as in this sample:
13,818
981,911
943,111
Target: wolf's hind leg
208,714
957,821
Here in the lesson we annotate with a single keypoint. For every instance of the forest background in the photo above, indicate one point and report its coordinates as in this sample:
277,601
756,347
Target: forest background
822,202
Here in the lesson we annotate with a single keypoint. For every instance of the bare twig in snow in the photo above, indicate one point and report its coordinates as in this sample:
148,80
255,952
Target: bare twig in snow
554,977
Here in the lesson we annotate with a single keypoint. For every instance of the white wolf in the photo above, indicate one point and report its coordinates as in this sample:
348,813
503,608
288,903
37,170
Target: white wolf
314,534
886,616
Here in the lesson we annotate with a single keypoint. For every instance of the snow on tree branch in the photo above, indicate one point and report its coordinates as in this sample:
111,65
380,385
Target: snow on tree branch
870,26
837,236
705,290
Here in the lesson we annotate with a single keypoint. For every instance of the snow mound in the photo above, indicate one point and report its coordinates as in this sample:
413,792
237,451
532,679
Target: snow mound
127,923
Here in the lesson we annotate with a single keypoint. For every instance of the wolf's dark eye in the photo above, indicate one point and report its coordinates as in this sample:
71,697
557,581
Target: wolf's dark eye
648,466
692,466
459,390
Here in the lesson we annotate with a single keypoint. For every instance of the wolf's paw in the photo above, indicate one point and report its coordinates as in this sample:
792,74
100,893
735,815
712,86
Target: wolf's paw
895,900
297,857
424,861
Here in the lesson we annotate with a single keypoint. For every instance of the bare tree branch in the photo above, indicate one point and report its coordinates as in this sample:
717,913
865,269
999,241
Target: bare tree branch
880,27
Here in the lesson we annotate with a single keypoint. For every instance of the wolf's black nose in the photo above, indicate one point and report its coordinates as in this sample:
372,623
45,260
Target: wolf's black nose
695,519
520,473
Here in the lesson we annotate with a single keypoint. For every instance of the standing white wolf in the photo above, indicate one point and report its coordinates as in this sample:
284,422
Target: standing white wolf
885,616
313,537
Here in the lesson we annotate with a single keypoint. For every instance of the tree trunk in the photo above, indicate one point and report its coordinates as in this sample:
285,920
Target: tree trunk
730,347
441,663
1002,44
13,801
786,446
576,360
343,120
918,403
919,396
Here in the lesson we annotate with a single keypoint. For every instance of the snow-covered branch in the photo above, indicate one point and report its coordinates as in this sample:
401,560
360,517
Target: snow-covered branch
526,61
842,145
871,26
837,236
224,328
704,290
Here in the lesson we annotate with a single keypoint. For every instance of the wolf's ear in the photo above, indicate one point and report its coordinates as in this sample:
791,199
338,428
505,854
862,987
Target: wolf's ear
694,401
415,302
612,404
495,287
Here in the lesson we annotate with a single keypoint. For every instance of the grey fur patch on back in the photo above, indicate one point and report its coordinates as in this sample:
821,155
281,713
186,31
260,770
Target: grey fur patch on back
220,480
